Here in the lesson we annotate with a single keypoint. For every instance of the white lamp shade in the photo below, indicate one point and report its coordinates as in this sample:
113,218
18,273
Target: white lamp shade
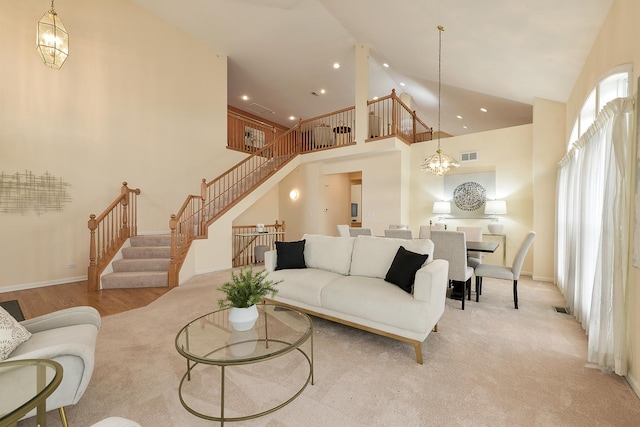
441,207
495,207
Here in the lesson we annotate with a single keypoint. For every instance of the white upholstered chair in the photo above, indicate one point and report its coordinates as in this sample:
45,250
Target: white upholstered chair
69,337
343,230
398,227
356,231
451,246
506,273
473,234
398,233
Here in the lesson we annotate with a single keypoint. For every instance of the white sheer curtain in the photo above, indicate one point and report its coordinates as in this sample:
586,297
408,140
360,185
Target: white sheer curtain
592,242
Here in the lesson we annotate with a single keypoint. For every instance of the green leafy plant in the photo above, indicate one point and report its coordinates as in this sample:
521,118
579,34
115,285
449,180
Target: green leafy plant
247,288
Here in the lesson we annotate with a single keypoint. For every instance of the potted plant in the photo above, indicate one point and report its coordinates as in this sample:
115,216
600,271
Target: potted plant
242,293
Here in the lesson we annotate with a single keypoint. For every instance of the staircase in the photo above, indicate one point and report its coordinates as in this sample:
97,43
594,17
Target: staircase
145,264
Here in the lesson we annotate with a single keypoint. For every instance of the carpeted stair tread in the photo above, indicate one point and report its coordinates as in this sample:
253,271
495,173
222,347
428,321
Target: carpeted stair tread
141,264
151,240
147,252
135,279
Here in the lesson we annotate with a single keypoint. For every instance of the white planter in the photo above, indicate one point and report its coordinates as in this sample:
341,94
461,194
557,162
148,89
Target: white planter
243,319
243,343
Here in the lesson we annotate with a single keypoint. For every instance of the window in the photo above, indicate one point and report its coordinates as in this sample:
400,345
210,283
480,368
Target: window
615,84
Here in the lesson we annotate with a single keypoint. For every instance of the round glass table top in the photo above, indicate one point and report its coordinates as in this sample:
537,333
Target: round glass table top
24,384
211,339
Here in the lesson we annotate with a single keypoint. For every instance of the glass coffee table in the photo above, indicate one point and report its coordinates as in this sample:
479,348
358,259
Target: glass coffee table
24,385
210,340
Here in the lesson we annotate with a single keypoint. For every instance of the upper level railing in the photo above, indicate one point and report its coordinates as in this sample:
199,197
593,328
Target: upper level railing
110,230
389,116
330,130
245,133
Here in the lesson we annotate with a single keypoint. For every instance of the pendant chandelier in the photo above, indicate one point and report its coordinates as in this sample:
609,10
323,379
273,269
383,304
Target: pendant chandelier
440,163
52,39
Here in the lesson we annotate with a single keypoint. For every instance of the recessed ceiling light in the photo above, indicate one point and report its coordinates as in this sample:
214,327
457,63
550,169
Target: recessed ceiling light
245,97
336,65
460,117
464,127
292,118
385,65
484,110
401,84
322,91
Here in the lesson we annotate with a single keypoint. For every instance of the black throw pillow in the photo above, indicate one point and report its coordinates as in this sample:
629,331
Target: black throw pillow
404,267
290,255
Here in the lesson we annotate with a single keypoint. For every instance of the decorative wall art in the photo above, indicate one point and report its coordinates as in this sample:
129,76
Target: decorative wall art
253,138
468,193
26,192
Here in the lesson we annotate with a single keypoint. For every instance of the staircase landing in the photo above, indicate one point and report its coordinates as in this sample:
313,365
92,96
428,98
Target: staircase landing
145,264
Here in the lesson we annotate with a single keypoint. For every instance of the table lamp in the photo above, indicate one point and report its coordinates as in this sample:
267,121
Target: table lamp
441,208
495,208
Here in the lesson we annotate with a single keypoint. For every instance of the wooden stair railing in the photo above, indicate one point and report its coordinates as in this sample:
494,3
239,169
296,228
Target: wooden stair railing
222,193
109,231
389,116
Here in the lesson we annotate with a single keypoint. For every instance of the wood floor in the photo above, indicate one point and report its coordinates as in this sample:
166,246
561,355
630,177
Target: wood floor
38,301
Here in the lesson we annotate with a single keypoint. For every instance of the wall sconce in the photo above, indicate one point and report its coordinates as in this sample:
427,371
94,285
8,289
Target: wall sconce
293,195
52,39
495,208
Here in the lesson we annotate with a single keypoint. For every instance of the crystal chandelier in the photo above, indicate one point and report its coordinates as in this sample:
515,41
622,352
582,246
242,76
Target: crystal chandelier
440,163
52,39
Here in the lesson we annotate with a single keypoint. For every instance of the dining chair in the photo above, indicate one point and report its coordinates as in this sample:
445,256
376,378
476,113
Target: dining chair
343,230
451,246
505,273
398,227
425,230
473,234
357,231
399,233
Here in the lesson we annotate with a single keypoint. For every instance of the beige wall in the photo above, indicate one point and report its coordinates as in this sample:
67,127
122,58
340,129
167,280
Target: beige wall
547,149
127,105
616,44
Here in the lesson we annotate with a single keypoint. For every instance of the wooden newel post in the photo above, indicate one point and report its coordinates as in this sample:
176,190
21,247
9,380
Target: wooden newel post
124,201
92,272
173,264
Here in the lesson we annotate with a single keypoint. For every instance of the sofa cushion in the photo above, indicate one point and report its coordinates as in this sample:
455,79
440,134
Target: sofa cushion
12,334
328,252
403,268
344,295
303,285
372,256
290,255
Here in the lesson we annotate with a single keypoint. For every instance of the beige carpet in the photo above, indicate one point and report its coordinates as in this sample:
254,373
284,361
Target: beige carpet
489,365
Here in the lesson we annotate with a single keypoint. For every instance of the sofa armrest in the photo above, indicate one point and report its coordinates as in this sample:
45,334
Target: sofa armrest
270,260
431,281
81,315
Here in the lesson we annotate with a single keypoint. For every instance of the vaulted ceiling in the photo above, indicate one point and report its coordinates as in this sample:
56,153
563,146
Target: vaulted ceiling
496,54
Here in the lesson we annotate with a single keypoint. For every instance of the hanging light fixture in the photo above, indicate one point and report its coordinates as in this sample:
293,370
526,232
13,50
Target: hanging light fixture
52,39
439,163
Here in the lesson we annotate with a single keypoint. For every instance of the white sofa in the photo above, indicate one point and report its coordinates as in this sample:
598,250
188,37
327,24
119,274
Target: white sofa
344,282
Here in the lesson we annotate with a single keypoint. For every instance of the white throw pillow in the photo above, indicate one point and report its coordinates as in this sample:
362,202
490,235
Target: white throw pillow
12,334
328,252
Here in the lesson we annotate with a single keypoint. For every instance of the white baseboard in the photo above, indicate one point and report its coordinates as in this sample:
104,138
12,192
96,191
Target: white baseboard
34,285
633,383
544,279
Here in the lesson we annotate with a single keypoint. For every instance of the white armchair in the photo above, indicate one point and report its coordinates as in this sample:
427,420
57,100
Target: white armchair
69,337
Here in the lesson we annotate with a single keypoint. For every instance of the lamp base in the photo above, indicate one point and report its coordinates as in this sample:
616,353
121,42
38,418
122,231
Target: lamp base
495,227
